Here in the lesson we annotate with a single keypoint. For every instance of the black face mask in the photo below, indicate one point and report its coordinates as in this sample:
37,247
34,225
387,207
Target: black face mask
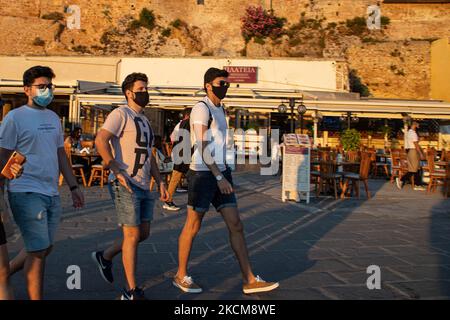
220,92
142,98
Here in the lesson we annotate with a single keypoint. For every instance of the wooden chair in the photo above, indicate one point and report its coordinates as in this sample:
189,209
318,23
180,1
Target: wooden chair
395,164
77,169
447,181
352,156
437,177
445,156
98,172
356,178
329,177
315,169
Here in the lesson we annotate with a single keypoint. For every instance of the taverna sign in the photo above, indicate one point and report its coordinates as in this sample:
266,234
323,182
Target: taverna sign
242,74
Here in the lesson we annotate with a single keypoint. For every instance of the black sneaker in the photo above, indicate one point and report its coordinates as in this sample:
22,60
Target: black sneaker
104,266
169,205
133,294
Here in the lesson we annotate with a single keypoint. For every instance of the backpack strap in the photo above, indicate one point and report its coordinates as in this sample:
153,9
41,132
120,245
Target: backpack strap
125,124
210,120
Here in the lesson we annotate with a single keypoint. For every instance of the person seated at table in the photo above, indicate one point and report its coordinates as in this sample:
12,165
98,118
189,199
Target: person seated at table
75,138
75,141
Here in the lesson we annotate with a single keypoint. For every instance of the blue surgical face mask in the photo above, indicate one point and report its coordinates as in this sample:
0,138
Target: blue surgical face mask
43,98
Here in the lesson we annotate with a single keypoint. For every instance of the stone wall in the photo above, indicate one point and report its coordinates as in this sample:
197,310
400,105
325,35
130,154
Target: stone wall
214,29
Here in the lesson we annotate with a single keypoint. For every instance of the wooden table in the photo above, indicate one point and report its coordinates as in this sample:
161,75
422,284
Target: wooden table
88,156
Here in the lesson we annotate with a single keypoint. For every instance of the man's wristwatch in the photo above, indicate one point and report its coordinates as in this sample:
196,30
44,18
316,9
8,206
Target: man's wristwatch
219,177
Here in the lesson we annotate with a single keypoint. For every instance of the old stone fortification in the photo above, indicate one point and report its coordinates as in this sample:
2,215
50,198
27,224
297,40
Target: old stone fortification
392,62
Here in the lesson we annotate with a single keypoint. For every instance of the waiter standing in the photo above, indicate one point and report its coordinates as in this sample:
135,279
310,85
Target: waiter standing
414,154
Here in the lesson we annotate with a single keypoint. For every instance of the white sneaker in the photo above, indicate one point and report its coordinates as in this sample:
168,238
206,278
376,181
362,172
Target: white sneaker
398,183
170,206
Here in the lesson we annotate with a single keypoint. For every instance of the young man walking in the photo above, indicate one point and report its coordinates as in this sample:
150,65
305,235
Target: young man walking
132,165
414,154
179,169
210,181
35,132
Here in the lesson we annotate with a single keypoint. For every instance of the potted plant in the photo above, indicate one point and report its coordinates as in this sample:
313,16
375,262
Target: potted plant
351,140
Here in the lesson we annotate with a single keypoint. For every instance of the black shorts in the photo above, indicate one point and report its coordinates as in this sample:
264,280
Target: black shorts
2,234
203,191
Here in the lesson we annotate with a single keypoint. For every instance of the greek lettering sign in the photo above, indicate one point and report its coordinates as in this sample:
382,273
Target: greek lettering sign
242,74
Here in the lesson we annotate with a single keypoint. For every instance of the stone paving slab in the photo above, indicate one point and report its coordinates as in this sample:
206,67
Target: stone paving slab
319,250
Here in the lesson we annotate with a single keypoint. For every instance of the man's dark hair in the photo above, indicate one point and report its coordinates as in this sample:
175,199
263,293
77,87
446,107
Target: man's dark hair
36,72
186,111
129,81
213,73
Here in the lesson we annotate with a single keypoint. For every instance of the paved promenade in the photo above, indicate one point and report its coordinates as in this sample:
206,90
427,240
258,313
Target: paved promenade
316,251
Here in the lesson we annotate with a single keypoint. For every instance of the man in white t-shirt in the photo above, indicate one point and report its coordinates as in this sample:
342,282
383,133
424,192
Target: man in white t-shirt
210,181
414,154
129,133
35,132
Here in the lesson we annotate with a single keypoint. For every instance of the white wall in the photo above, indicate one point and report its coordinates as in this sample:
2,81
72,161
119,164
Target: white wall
272,73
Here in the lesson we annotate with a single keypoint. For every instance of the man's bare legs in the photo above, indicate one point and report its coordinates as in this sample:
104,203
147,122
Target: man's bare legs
132,235
187,236
6,292
33,264
237,240
116,247
17,264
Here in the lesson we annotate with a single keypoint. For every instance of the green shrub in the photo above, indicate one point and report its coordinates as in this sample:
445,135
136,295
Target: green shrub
134,25
357,25
351,140
166,32
177,23
385,20
356,84
81,49
38,42
259,40
55,16
147,19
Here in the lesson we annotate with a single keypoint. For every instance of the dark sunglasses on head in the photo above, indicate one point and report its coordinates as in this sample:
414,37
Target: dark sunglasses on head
50,86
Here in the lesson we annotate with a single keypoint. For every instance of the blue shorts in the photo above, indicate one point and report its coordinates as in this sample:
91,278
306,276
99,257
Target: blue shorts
37,217
203,191
132,208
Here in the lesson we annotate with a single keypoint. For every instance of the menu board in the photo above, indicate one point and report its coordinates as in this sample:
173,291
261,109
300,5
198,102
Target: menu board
296,167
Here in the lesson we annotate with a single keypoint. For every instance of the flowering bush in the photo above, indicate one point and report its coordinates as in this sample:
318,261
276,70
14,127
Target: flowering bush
259,23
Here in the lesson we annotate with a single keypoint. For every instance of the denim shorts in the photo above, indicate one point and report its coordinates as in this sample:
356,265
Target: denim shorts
132,208
203,191
37,217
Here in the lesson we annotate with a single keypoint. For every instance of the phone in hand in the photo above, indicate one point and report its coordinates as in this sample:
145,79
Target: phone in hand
16,157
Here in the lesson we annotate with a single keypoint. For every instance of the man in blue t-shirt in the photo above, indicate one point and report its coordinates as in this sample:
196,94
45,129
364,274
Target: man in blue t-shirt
35,132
